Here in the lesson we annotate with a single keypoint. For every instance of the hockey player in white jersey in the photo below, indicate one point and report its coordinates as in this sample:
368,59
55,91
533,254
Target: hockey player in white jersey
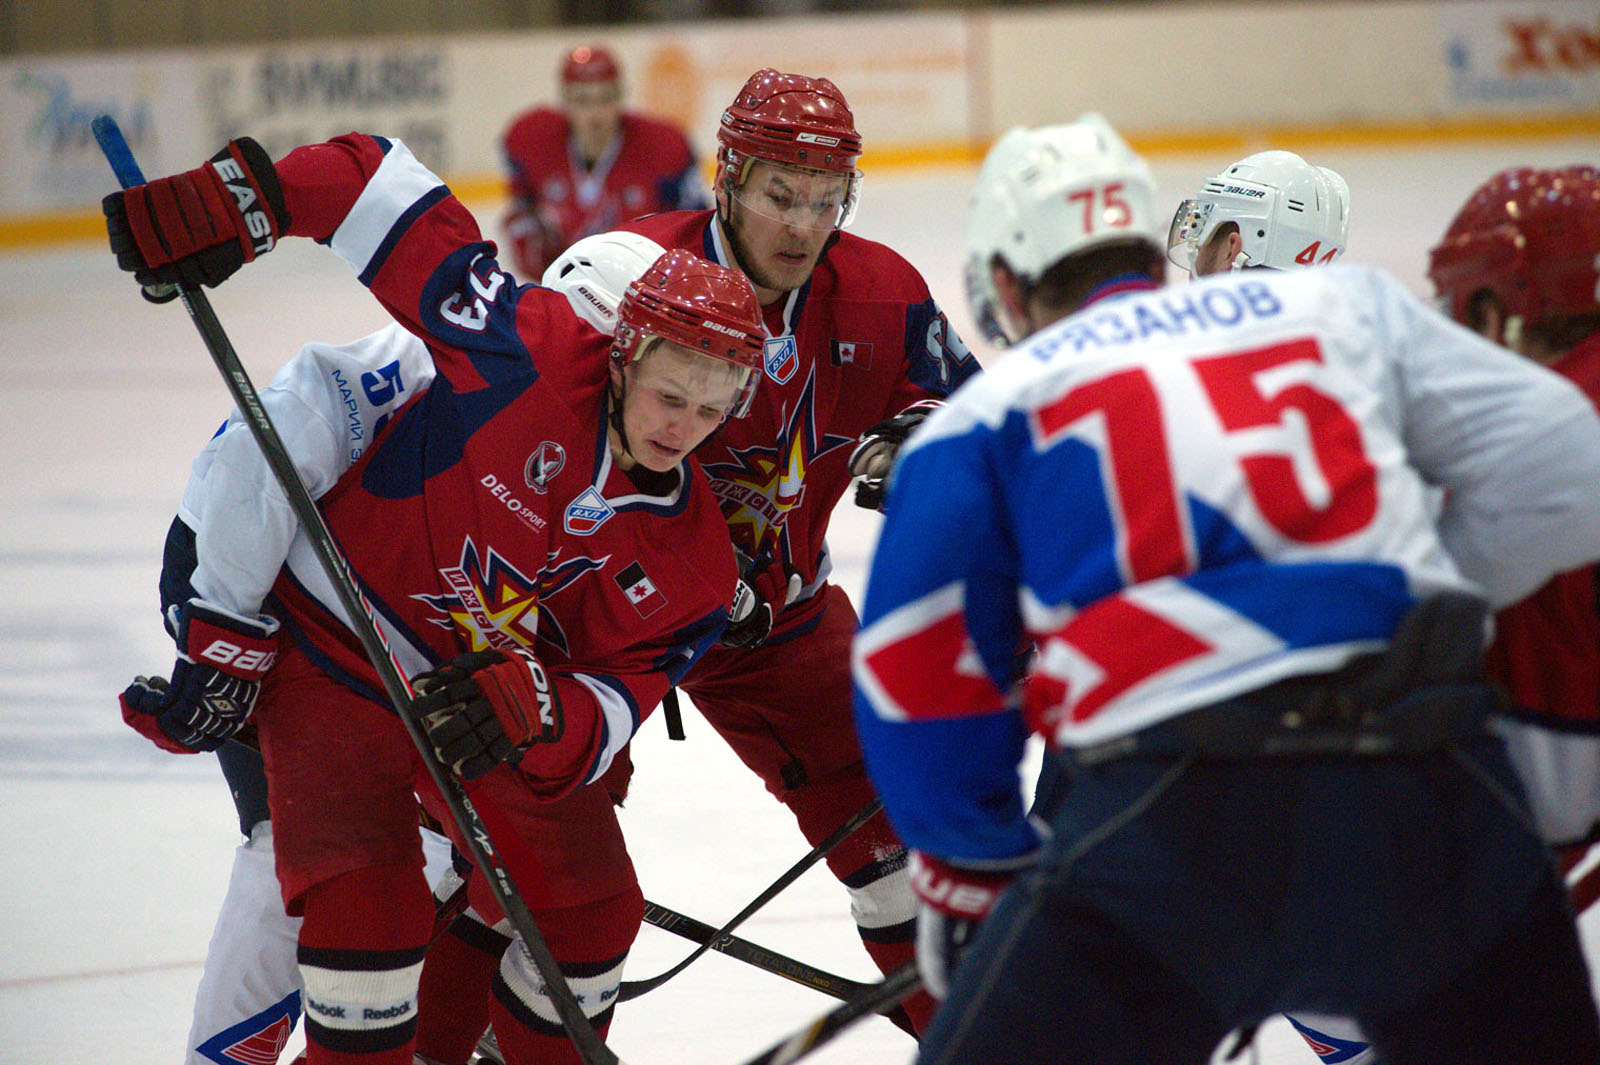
1271,209
327,404
1259,651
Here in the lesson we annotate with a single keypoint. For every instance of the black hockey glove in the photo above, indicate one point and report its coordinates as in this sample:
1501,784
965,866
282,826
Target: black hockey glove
763,589
952,902
222,657
873,458
750,616
198,227
485,708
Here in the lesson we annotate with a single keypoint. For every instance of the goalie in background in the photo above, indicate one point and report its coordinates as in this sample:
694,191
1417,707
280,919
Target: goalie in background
588,164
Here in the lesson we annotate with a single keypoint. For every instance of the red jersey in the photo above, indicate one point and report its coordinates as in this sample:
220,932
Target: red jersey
648,167
489,512
859,342
1546,653
1547,648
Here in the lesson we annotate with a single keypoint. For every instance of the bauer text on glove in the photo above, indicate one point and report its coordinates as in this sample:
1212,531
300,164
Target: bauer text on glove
222,657
952,902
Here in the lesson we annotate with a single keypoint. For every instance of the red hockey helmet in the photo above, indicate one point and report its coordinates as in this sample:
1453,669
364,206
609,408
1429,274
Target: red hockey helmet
789,118
1531,238
589,63
706,308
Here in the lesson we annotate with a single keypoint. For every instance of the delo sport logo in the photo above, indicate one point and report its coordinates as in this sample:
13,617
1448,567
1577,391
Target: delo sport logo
502,491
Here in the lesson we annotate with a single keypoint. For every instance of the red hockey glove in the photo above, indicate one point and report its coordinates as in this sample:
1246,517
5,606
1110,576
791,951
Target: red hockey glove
222,657
873,458
198,227
484,709
953,901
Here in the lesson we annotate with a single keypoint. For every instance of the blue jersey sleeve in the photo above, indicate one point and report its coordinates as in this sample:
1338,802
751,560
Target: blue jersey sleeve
936,659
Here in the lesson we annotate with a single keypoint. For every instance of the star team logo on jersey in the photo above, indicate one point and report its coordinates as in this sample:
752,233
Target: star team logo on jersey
782,358
490,602
640,590
759,487
587,513
542,466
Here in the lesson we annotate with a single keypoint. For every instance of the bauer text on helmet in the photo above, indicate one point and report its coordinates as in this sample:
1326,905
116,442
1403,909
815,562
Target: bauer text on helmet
594,272
1281,211
1044,194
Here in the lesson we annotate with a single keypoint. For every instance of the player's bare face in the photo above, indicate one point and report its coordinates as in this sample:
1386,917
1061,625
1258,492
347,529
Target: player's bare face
674,399
594,108
779,220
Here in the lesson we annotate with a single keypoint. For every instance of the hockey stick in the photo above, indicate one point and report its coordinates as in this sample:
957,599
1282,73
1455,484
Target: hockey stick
894,989
488,1050
591,1048
751,953
635,988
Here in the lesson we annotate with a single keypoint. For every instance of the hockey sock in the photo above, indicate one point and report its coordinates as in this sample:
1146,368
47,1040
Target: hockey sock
591,942
872,865
453,1003
361,951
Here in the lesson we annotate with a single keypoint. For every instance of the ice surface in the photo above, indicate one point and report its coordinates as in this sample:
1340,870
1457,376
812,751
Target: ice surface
117,855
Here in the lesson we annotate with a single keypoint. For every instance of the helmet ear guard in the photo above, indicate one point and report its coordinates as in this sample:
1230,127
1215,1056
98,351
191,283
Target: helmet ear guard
1044,194
708,309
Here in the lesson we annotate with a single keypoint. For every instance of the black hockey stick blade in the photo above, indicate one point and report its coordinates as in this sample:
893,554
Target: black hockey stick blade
591,1048
894,989
634,988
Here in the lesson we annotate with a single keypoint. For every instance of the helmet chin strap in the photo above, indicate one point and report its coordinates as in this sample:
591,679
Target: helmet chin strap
618,392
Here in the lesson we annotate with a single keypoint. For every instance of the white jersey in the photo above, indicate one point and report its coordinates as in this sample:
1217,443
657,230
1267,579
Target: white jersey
327,404
1182,495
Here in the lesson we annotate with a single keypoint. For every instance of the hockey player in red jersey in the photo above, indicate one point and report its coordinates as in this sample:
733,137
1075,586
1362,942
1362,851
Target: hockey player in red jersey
856,353
589,165
540,552
1520,264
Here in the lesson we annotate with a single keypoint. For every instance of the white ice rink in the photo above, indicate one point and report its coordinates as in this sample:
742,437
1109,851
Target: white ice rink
116,855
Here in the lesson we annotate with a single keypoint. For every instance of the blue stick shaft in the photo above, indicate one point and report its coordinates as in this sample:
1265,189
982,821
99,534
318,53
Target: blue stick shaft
109,136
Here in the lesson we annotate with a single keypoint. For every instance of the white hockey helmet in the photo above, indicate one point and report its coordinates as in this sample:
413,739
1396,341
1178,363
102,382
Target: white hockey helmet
1290,213
1044,194
594,273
